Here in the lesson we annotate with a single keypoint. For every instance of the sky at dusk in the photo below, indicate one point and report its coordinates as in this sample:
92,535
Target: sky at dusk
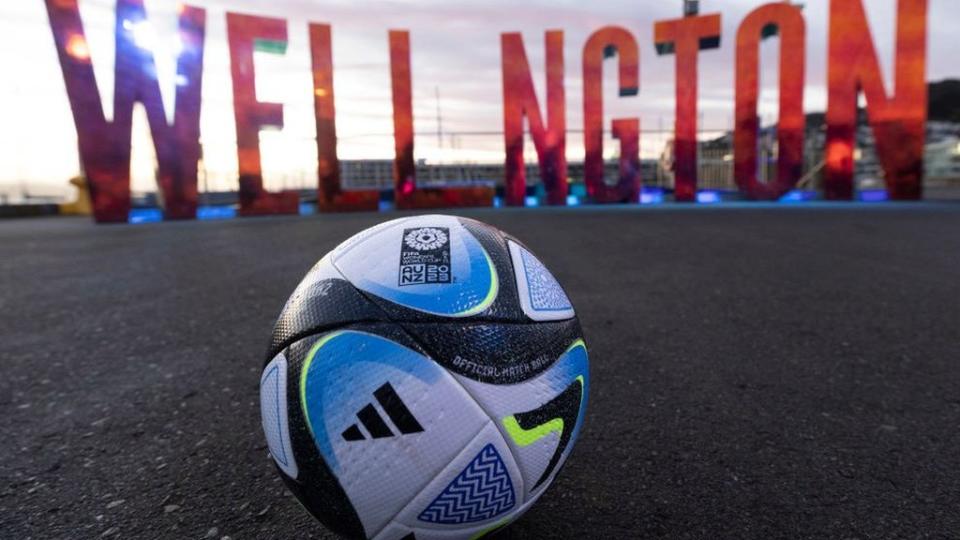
455,53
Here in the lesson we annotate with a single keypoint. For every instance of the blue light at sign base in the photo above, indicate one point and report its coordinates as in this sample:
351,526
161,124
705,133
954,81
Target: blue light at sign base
799,195
651,196
206,213
648,196
708,197
145,215
874,195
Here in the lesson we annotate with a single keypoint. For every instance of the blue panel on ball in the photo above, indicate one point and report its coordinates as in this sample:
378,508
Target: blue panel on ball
429,263
541,296
573,365
481,492
273,414
333,362
544,291
271,395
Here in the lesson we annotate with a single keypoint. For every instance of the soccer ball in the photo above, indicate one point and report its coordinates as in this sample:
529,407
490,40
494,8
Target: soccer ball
426,380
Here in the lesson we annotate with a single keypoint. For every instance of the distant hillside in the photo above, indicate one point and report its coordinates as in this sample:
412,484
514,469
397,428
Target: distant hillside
943,106
944,100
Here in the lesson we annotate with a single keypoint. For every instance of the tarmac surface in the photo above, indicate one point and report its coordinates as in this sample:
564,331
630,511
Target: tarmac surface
756,373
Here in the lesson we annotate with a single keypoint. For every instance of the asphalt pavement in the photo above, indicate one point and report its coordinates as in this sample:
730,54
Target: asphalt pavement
756,372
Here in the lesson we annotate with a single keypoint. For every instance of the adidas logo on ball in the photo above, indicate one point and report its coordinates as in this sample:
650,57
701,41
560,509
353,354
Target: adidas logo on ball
375,425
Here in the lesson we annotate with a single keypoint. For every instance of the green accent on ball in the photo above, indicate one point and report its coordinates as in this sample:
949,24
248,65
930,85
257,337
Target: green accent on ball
526,437
574,345
491,293
306,369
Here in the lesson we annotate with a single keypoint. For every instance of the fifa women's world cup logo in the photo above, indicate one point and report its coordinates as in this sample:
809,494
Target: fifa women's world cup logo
425,256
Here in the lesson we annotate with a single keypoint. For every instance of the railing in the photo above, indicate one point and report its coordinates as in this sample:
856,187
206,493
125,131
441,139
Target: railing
477,157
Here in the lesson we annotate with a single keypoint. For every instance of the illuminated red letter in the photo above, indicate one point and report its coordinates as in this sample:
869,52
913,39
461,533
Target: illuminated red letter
104,145
330,196
685,37
519,101
604,43
404,168
243,31
899,122
406,194
788,20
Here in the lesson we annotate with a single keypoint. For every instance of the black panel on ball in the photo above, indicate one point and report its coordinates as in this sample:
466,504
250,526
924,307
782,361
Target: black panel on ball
493,352
507,305
319,305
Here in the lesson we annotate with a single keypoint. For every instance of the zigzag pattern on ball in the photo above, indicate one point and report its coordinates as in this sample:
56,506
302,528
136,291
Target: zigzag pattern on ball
482,491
